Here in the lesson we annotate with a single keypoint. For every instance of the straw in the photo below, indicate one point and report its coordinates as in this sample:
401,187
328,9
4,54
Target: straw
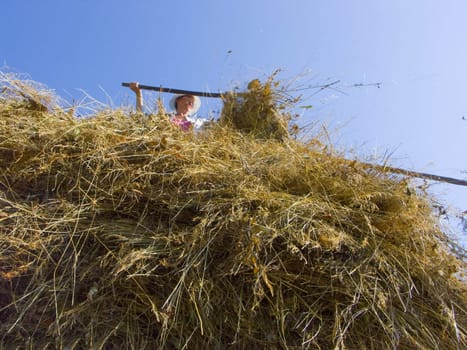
121,231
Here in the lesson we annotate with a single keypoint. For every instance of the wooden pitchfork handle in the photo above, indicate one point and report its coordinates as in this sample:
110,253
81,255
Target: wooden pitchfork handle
178,91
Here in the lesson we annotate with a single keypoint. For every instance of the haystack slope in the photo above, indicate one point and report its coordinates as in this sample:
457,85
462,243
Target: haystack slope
121,231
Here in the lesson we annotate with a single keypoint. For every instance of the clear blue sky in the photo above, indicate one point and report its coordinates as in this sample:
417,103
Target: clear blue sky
416,49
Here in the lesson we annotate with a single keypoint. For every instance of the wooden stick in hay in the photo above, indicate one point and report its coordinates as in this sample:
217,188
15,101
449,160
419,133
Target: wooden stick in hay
389,169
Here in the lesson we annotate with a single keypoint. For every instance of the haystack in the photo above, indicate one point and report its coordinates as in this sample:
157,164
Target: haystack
122,232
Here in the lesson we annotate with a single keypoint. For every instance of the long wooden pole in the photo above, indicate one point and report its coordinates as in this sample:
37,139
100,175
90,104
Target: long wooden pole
393,170
178,91
383,168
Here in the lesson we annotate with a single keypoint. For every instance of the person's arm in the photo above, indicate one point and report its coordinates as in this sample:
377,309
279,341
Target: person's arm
134,86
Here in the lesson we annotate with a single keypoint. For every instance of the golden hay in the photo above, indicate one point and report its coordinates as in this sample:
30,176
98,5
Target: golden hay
259,111
123,232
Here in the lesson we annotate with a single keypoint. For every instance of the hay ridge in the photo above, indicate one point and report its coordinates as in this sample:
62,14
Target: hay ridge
120,231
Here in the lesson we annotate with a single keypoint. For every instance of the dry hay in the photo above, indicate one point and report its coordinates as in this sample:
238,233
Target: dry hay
261,111
122,232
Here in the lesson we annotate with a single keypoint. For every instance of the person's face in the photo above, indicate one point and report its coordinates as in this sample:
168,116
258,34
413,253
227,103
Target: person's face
185,104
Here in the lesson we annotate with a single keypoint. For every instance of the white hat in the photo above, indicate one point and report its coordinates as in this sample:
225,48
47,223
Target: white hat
196,103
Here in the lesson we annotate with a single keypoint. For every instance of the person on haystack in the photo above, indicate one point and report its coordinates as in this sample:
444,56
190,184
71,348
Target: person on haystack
184,107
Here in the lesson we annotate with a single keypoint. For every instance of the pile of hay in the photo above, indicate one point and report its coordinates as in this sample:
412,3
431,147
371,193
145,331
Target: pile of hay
121,232
261,111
